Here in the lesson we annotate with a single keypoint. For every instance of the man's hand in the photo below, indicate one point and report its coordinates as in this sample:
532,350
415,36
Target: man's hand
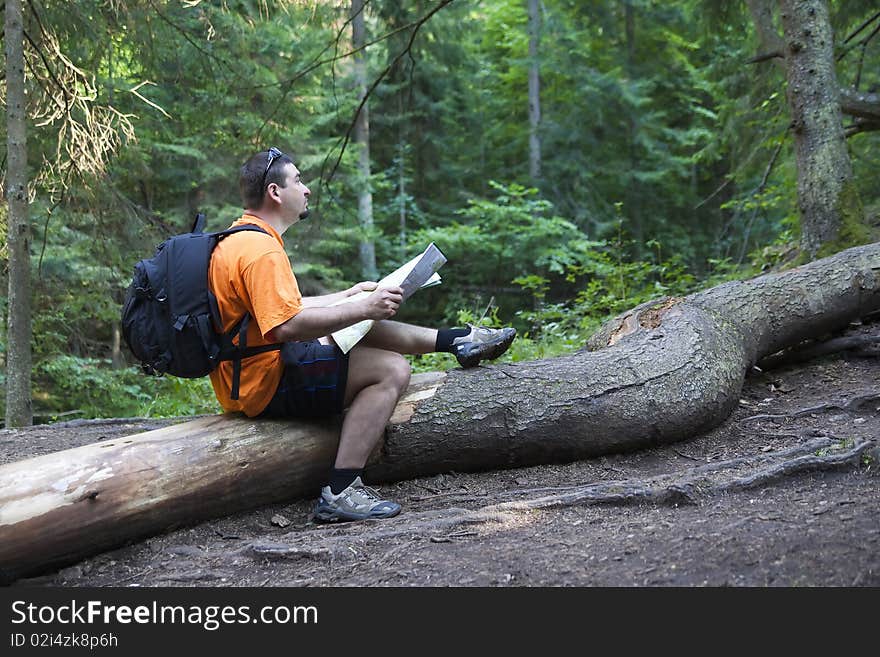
383,303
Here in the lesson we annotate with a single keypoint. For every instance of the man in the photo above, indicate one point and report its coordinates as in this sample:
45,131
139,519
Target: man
251,276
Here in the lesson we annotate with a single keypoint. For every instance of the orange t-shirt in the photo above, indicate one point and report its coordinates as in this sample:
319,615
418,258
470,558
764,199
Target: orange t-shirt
251,273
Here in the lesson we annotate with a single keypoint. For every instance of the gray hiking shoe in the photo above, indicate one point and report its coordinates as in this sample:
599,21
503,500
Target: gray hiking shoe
357,502
482,344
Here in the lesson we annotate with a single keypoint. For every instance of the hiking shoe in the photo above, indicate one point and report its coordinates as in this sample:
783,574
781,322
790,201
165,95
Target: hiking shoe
482,344
357,502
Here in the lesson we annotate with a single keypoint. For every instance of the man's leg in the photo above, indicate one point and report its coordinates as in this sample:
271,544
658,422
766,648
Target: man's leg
400,337
376,379
469,345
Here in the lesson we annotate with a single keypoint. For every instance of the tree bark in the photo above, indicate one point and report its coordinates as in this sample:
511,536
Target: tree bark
665,371
534,90
362,138
827,197
19,411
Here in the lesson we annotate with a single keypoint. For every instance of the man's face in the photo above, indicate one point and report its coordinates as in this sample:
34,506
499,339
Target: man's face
294,195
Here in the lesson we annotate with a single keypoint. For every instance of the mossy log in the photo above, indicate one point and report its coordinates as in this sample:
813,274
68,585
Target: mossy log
665,371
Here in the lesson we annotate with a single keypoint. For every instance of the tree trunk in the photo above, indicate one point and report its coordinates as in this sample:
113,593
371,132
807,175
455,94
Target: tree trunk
827,197
534,91
663,372
401,196
116,359
362,138
633,205
401,176
18,329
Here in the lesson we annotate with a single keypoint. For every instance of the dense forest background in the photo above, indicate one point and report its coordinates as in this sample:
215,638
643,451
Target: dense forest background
572,158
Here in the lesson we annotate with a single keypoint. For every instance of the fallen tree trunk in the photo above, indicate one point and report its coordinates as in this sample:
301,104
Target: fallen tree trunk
662,372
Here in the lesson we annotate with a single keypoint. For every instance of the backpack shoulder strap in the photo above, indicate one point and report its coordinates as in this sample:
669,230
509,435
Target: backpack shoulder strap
199,223
238,229
232,352
212,300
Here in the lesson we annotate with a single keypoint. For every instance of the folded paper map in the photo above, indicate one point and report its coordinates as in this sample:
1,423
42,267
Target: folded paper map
419,272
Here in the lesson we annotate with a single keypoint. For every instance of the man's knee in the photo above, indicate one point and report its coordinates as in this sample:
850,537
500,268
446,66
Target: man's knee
369,366
399,371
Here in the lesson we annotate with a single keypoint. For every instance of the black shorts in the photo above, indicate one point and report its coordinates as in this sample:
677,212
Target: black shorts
313,383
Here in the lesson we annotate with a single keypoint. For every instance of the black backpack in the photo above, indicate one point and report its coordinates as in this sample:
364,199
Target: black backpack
169,315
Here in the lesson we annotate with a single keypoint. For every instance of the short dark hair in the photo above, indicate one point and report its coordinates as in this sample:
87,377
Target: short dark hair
250,177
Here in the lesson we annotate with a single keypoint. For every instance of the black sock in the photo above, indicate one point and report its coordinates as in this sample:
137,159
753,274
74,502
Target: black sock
446,336
341,479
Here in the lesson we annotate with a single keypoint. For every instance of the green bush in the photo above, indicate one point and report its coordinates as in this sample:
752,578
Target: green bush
89,385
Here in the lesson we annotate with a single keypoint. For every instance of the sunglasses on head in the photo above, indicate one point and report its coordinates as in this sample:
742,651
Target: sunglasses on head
274,154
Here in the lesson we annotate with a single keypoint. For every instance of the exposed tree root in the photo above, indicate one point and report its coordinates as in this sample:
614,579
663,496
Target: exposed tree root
866,346
869,402
343,542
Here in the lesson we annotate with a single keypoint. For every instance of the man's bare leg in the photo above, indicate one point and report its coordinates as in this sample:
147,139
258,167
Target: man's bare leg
400,337
376,379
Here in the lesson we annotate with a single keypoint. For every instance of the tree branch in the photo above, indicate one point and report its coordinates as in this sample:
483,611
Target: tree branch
189,40
861,27
64,92
375,84
862,56
861,125
314,64
317,63
861,105
765,57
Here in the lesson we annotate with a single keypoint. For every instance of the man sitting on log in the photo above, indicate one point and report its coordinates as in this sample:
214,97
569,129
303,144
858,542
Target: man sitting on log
250,275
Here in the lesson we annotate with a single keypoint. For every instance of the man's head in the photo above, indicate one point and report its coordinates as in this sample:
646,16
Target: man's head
269,181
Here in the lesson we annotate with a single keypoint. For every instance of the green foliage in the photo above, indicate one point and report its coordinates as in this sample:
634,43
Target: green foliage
174,397
92,387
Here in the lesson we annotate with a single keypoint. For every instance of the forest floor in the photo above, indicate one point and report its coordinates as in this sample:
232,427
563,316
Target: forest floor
785,493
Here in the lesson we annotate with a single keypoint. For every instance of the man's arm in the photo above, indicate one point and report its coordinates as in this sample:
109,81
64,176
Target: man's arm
317,321
329,299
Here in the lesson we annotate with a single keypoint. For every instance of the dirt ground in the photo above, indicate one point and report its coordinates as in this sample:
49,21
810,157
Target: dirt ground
784,493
